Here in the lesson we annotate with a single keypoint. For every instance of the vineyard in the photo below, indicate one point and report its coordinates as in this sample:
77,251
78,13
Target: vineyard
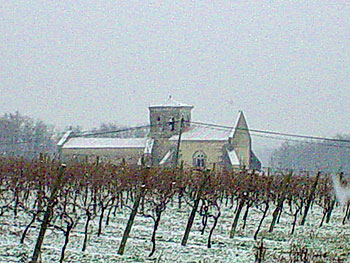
86,212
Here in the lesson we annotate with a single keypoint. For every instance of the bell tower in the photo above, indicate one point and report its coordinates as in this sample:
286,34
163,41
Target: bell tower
165,119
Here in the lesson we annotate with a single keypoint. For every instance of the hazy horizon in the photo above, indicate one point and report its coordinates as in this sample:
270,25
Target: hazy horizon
285,64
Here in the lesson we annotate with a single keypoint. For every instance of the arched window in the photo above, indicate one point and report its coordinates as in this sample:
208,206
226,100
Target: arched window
199,159
172,123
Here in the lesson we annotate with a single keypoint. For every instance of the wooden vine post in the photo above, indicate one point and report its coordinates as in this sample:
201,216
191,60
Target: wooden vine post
235,221
139,196
48,213
309,200
279,206
178,143
194,209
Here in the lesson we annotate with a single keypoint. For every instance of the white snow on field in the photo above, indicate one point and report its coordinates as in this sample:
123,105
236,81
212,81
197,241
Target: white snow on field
332,238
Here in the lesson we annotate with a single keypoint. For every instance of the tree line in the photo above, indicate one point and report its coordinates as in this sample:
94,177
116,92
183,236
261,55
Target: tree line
329,157
21,135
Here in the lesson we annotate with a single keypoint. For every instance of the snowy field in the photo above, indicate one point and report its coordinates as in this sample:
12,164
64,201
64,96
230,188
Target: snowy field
329,243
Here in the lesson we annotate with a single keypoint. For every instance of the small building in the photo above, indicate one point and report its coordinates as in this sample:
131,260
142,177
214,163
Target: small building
173,138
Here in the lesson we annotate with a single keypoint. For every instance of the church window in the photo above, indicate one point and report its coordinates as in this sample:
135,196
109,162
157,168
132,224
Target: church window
199,159
172,124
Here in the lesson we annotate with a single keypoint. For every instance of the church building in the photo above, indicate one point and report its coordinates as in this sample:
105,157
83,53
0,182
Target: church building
173,139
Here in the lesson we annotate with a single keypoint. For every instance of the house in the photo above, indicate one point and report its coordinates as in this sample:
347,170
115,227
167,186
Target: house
173,138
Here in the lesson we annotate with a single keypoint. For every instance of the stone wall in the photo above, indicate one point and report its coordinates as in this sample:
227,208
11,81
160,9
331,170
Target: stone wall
130,155
212,149
160,117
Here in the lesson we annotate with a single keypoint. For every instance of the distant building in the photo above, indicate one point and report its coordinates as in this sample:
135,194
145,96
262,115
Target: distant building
199,145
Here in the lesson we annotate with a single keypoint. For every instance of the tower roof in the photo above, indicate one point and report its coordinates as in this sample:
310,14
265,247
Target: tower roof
171,103
241,124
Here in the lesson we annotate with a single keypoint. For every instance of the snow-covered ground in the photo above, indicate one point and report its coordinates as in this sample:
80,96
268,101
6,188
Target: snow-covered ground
331,241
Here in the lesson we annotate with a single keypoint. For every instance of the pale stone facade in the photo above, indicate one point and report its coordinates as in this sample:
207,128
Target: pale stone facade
113,150
127,155
200,145
212,152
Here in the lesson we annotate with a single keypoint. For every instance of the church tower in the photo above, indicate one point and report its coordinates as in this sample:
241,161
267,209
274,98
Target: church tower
241,141
165,119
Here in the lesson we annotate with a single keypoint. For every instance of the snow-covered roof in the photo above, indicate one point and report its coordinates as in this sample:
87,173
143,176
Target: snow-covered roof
86,143
149,146
203,133
232,132
64,138
167,157
171,103
233,157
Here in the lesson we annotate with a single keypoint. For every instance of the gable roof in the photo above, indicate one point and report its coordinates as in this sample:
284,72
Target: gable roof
241,125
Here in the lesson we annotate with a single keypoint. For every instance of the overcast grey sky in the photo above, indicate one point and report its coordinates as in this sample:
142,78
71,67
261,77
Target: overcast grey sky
284,63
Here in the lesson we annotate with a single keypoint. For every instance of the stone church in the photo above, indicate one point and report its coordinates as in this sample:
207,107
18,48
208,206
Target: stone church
173,139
